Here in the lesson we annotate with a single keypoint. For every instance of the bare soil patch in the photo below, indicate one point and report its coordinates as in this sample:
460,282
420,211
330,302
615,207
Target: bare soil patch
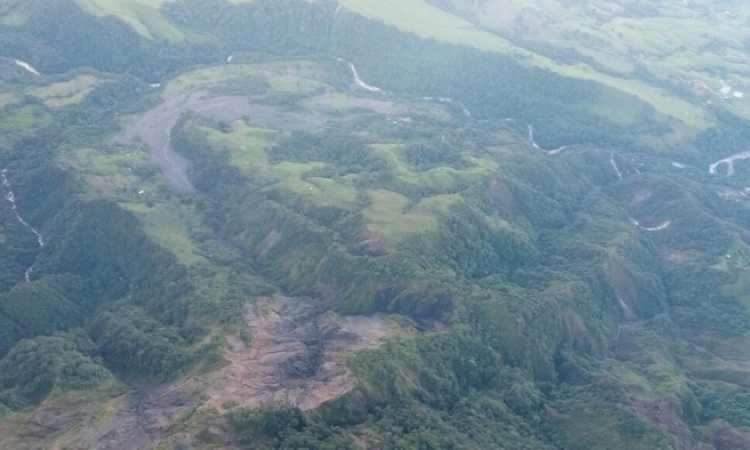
297,355
671,256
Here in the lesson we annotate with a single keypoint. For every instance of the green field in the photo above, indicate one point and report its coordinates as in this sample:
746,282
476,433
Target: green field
172,226
246,147
65,93
8,98
540,301
425,20
142,15
387,215
670,45
286,77
129,177
24,118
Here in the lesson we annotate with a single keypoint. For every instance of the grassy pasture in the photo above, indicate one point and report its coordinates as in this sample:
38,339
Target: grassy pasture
15,18
246,145
115,174
388,215
128,177
674,41
66,92
445,179
171,225
8,98
323,191
208,77
299,76
391,215
336,103
142,15
425,20
24,118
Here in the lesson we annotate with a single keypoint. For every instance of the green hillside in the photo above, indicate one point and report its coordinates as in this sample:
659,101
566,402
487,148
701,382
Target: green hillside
142,15
390,225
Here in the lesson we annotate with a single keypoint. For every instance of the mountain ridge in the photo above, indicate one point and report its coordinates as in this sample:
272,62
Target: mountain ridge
530,296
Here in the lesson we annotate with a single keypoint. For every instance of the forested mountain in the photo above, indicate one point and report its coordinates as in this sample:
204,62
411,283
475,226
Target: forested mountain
389,225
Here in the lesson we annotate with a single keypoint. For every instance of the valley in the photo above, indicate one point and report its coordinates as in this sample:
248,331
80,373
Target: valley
425,224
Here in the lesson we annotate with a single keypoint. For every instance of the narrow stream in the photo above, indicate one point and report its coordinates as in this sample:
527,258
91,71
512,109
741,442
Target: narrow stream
614,166
713,168
358,81
11,197
362,84
631,324
27,67
557,151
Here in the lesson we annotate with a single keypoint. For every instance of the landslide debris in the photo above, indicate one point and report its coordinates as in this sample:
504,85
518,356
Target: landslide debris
296,356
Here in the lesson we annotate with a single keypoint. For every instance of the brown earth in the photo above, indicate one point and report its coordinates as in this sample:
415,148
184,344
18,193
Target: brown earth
115,418
671,256
664,413
297,355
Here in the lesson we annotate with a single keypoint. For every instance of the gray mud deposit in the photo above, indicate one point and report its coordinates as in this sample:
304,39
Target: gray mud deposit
152,129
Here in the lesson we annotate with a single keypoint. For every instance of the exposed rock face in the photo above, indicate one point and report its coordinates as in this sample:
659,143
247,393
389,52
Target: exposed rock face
297,355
